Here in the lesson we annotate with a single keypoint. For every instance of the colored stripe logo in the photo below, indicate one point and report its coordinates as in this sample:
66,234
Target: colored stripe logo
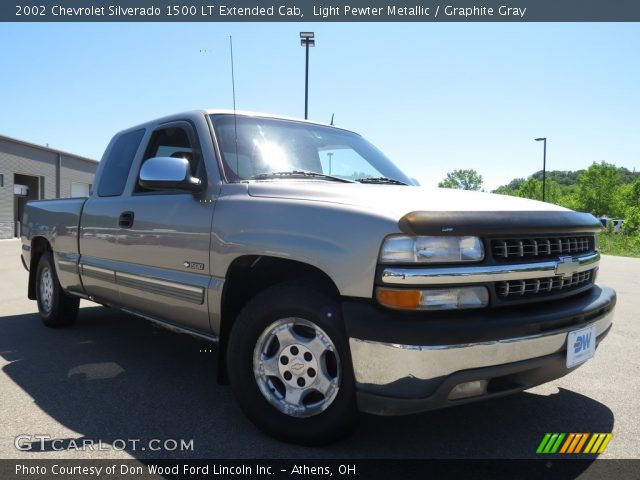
592,443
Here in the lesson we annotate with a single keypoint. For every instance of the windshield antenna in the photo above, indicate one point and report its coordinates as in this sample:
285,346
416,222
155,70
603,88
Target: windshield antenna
233,89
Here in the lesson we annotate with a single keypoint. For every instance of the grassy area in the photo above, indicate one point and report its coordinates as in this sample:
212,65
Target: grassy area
620,245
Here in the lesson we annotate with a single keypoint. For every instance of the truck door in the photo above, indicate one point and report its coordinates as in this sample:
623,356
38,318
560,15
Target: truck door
99,226
164,237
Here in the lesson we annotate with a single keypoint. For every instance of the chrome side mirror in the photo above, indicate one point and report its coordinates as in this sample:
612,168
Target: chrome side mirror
168,173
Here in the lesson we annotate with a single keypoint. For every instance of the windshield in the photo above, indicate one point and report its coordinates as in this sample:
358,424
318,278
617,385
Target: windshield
273,146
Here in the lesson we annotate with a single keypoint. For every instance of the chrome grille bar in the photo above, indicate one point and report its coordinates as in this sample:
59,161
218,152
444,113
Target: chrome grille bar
482,273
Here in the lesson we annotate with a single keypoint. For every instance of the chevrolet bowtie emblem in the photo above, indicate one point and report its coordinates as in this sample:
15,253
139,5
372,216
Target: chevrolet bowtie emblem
567,266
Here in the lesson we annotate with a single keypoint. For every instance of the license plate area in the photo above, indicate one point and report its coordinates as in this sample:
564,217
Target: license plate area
581,346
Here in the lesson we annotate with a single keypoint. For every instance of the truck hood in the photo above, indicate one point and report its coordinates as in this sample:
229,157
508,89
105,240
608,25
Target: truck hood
396,199
429,211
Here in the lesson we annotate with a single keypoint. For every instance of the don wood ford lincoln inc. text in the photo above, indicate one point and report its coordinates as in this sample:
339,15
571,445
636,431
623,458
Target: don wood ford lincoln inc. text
181,469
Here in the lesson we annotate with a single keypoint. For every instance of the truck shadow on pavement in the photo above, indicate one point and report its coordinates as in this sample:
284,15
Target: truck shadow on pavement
113,376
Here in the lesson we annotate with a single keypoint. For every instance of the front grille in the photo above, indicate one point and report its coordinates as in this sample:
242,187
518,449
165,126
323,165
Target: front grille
543,286
540,247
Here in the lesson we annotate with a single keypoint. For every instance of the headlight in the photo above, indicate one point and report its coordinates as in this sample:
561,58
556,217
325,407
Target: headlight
407,249
453,298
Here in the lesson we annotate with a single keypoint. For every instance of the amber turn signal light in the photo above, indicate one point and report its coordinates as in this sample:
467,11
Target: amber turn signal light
406,299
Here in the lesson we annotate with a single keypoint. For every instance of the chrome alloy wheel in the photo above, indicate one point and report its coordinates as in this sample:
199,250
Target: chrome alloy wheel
297,367
46,289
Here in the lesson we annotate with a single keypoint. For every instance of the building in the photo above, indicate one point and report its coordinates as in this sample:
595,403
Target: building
33,172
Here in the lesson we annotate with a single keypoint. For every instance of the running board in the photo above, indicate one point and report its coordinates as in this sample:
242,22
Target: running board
174,328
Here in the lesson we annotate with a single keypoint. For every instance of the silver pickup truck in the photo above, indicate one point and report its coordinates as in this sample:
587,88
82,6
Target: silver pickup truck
330,282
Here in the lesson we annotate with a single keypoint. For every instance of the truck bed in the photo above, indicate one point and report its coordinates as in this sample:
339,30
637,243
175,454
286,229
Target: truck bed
57,221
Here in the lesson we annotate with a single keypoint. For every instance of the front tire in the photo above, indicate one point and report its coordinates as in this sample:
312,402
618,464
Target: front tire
290,367
56,308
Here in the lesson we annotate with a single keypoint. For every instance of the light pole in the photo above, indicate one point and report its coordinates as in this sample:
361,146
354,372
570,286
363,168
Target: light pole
330,154
306,40
544,165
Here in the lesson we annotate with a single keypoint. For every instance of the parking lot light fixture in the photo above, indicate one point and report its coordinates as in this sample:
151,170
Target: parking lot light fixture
307,40
544,165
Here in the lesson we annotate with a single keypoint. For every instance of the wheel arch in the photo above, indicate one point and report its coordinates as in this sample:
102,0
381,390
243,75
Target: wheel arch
249,275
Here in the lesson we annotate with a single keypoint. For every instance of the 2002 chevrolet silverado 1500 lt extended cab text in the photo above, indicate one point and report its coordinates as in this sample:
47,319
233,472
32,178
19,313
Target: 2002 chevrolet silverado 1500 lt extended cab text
330,282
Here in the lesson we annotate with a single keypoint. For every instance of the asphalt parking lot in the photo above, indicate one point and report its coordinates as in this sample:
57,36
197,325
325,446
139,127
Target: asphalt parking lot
114,377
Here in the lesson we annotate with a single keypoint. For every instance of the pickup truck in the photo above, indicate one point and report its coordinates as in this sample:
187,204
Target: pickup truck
329,281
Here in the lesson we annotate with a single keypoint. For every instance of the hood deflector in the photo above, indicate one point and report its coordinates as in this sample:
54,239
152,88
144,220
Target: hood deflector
498,223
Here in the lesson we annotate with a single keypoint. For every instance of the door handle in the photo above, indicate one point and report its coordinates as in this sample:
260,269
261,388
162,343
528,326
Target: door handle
126,220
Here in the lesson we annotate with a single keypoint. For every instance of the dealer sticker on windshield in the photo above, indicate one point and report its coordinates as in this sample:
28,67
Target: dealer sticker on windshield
581,346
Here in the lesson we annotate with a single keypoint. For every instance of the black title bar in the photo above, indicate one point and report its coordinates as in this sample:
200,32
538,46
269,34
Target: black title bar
319,11
549,468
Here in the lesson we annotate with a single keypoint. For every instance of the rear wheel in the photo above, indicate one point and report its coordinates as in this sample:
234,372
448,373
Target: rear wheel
290,367
56,308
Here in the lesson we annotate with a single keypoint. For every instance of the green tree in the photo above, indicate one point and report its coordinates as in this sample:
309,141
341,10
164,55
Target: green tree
628,176
511,187
598,187
569,198
462,180
628,194
631,223
561,177
532,188
622,200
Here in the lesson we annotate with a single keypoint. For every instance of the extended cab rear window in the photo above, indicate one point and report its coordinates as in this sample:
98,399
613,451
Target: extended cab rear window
118,163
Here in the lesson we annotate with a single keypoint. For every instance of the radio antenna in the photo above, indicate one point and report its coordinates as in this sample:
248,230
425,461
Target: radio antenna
332,118
235,122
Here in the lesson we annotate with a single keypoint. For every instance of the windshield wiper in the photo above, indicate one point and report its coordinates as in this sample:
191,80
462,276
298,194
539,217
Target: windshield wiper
380,180
299,174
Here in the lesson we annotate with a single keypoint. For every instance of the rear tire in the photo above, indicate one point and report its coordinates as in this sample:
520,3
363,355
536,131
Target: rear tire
290,367
56,308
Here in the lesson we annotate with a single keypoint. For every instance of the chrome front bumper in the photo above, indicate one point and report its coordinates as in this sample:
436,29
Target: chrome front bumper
394,378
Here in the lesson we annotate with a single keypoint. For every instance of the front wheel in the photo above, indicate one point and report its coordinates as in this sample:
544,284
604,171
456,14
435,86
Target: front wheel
56,308
290,368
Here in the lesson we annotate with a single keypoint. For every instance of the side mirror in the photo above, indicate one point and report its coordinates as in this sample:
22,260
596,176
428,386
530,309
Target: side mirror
168,173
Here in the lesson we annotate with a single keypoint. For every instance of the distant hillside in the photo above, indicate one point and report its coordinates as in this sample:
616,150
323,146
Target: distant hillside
566,178
561,177
602,189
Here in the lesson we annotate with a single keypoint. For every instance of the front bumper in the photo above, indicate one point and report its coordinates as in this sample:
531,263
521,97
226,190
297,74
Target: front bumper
408,363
